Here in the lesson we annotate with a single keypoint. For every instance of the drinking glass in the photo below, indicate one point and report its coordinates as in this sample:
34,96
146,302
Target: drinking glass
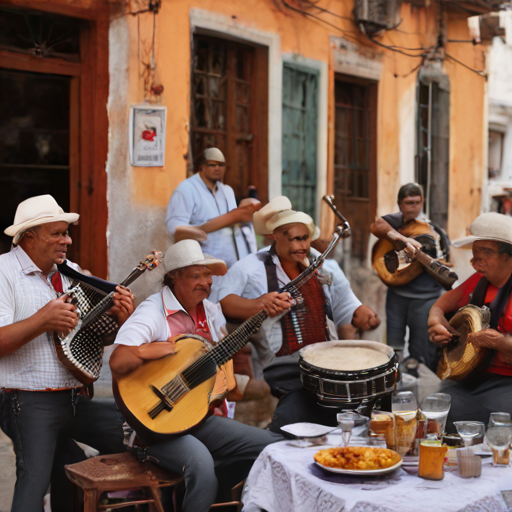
469,430
498,438
405,408
383,422
499,418
347,420
436,407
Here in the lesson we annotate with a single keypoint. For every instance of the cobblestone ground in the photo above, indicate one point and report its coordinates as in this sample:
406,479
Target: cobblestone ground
7,472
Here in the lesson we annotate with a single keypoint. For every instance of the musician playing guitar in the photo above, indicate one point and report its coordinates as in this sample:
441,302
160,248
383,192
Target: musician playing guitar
179,307
41,401
408,305
488,388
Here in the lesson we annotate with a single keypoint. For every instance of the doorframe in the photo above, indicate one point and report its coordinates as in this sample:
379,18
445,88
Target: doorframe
88,145
321,69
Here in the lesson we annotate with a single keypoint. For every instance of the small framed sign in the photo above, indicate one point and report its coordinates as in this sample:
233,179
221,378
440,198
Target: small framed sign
147,135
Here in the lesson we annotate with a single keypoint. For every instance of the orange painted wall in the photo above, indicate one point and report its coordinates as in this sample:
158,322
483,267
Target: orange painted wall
310,38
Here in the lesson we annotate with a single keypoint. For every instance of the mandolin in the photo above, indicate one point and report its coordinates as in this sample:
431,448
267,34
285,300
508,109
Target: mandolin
394,268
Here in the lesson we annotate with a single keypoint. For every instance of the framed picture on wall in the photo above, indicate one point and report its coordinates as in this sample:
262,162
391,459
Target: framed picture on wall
147,135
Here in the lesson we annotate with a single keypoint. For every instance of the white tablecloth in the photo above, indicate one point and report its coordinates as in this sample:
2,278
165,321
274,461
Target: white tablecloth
286,479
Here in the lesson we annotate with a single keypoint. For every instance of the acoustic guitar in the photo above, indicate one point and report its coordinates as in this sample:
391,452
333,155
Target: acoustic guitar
394,268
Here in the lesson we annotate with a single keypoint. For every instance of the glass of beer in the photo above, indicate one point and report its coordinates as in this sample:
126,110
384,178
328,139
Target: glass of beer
405,409
498,438
431,464
383,422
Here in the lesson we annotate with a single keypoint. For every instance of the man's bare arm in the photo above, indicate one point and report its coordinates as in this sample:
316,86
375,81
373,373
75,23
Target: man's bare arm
57,316
439,329
381,229
239,215
126,358
237,308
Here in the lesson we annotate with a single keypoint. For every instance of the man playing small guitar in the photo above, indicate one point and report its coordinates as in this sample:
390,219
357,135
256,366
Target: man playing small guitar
408,305
489,387
181,308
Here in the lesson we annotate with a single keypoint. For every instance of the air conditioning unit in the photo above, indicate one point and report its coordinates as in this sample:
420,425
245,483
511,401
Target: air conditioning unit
374,16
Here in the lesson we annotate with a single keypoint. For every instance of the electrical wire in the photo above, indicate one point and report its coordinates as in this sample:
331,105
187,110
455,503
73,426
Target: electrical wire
421,55
415,68
478,72
327,11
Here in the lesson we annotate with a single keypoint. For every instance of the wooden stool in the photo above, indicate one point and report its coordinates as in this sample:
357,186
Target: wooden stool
119,472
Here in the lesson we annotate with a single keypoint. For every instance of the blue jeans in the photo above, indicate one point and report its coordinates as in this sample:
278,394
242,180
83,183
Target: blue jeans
216,442
402,312
35,420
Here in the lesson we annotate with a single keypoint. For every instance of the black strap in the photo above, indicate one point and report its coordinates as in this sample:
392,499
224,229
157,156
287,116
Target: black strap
270,269
497,306
90,281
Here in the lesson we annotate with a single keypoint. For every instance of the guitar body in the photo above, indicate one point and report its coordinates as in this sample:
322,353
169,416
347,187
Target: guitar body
135,398
385,259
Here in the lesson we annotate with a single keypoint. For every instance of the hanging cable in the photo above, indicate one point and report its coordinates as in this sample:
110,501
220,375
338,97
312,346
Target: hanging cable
480,73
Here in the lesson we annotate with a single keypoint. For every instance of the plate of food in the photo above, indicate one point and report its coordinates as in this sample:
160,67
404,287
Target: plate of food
358,460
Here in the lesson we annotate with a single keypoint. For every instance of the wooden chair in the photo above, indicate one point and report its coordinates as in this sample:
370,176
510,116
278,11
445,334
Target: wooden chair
119,472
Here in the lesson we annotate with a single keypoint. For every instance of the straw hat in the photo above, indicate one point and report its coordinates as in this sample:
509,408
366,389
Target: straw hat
214,154
278,212
180,255
488,226
36,211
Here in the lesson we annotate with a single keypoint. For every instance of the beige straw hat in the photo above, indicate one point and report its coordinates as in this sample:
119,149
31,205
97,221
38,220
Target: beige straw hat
214,154
278,212
35,211
488,226
180,255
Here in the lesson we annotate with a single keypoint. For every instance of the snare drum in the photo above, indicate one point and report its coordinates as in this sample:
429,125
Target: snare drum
342,373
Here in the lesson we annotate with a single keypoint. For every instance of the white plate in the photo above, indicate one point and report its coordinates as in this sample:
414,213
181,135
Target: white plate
307,429
361,472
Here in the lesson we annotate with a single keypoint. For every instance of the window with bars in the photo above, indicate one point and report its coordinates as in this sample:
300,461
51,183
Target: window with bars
355,157
225,108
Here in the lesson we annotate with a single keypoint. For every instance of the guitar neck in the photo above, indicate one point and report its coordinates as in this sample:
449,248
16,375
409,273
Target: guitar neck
134,275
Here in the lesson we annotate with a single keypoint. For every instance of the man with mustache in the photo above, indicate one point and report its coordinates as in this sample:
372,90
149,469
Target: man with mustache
180,306
489,387
41,402
251,285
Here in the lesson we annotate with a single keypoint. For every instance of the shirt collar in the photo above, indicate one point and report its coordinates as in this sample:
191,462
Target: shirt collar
26,264
218,184
171,304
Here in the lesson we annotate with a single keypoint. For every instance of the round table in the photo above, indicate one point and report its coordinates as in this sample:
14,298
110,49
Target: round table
285,478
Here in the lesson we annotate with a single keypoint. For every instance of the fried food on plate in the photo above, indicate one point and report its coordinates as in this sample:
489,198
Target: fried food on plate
357,457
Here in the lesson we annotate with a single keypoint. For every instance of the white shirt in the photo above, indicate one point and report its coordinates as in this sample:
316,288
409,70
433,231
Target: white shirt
248,279
193,203
24,290
148,322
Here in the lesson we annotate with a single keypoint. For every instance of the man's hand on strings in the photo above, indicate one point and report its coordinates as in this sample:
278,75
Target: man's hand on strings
275,303
123,304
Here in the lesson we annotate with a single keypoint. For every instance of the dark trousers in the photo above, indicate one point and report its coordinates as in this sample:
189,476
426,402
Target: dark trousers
402,312
475,397
36,421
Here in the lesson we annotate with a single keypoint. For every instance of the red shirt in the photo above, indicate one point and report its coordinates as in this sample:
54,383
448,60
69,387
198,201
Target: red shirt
504,325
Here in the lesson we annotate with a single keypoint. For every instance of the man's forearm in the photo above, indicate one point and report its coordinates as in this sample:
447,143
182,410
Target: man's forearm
237,308
222,221
14,336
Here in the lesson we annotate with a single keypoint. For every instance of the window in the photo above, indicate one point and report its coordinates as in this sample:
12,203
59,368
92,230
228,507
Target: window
355,161
496,140
300,116
230,109
432,147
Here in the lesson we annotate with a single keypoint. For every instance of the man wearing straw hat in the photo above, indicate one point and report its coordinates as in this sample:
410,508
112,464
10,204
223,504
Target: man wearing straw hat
252,284
203,208
41,401
180,306
489,387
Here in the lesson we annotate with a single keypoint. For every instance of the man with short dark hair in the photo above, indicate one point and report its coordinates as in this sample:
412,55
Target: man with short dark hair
41,402
489,387
408,305
203,208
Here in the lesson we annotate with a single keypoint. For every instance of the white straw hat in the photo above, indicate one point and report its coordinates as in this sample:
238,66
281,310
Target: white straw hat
180,255
488,226
35,211
214,154
278,212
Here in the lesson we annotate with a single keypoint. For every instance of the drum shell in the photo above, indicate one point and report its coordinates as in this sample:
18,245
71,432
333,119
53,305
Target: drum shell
347,388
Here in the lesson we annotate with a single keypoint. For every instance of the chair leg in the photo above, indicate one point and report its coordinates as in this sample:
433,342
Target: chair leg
157,505
91,500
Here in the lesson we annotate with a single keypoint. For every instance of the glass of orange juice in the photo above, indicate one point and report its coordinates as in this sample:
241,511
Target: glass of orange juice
431,465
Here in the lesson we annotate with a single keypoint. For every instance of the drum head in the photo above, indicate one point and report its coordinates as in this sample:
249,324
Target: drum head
347,356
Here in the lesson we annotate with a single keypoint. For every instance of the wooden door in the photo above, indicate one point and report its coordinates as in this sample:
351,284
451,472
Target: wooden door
229,109
300,119
355,170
